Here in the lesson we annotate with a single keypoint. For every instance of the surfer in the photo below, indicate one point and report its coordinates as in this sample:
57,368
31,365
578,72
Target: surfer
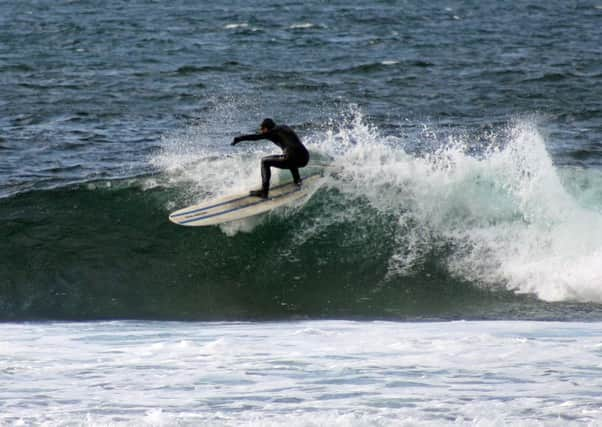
294,156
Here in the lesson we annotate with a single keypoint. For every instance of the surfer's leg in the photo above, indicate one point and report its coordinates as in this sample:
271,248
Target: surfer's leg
266,163
266,174
296,176
298,161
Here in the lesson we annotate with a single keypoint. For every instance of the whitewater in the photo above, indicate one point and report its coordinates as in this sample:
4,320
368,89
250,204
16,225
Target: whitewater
306,374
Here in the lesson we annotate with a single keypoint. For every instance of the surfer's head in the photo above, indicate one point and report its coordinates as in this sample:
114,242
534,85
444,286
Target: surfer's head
267,125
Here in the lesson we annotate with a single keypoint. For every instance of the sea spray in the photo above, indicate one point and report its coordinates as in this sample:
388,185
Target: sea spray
503,213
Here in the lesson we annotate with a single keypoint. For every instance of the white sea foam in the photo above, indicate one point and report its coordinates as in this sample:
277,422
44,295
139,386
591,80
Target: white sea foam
506,211
236,26
302,26
325,373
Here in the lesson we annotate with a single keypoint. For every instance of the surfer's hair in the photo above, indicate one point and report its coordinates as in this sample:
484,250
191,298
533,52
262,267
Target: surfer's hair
268,124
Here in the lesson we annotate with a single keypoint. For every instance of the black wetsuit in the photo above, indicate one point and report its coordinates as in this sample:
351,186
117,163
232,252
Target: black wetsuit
294,156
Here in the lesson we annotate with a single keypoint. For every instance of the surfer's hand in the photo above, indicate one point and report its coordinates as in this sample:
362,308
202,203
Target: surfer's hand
235,141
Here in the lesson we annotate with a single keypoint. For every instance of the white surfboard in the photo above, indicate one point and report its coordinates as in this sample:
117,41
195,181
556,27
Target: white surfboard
232,208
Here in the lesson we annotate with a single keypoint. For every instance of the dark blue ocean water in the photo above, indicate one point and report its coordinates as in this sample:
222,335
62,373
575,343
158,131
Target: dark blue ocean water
97,97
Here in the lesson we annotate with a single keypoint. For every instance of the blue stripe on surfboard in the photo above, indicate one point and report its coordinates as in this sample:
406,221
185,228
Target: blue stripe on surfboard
210,207
230,200
200,218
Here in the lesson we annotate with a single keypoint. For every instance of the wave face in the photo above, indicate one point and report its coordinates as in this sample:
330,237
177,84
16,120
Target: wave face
432,225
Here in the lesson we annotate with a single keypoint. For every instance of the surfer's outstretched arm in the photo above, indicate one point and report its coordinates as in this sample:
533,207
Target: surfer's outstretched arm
250,137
